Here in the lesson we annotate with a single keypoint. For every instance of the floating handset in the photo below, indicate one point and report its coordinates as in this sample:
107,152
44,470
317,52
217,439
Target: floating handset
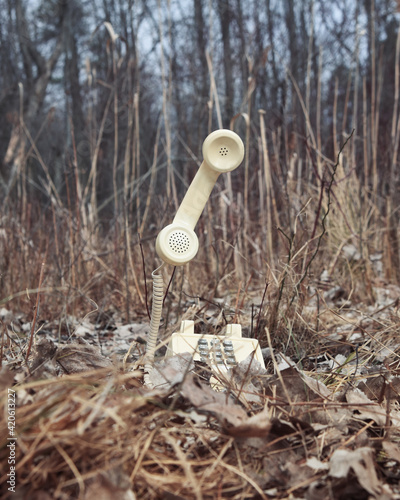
177,243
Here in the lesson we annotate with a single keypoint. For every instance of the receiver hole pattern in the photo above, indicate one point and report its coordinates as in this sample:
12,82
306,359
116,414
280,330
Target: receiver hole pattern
179,242
223,151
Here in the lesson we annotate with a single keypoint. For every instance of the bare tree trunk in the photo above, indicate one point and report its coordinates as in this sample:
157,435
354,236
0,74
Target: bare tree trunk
71,71
271,41
225,16
290,19
244,67
201,110
35,90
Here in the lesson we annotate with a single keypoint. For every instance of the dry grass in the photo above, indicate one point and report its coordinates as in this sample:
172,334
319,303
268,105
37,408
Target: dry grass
86,434
78,432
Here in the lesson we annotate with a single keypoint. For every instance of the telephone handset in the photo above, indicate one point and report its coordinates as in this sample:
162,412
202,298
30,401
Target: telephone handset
177,243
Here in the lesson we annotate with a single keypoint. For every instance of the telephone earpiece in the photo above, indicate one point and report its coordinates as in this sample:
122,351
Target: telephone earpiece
177,243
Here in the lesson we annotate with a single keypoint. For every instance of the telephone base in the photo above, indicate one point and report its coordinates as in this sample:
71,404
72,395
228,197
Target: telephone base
220,352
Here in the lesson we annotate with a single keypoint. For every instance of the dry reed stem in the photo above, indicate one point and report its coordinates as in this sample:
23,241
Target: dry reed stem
395,132
304,109
153,170
334,122
318,108
213,95
92,179
35,314
355,119
113,38
166,95
268,188
309,55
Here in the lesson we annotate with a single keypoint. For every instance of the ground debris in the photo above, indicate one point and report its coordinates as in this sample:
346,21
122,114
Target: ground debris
88,428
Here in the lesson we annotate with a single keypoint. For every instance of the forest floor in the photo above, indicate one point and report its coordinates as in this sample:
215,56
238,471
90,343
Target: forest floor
321,421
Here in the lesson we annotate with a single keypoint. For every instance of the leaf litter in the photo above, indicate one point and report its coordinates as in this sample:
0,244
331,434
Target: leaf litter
326,425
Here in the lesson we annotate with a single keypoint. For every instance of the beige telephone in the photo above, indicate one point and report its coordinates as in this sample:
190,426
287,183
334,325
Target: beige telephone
177,244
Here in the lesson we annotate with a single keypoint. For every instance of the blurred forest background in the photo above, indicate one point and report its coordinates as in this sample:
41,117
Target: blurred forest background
105,105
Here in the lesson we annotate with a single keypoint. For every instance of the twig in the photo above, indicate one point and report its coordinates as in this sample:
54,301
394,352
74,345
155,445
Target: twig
144,276
3,331
321,195
259,312
169,284
283,280
325,216
36,308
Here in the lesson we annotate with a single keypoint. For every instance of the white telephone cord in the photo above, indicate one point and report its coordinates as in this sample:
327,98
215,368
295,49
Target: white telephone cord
156,311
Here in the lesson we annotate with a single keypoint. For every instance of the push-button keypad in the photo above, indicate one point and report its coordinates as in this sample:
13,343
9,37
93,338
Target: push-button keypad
213,352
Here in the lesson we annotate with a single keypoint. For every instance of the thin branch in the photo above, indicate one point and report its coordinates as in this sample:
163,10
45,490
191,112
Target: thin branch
325,216
35,315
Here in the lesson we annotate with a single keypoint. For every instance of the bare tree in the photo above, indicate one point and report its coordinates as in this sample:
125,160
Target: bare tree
225,17
38,70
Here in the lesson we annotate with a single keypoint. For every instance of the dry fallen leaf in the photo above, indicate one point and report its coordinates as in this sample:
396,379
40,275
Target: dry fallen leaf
209,401
110,485
171,371
361,462
233,417
381,385
296,386
366,409
258,425
392,450
316,386
77,358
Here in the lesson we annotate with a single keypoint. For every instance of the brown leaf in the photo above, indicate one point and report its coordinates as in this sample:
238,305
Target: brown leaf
316,386
258,425
77,358
171,371
361,462
42,363
377,387
207,400
232,417
6,378
367,410
392,450
110,485
297,386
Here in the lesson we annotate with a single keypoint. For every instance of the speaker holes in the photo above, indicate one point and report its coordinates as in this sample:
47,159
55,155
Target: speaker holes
223,151
179,242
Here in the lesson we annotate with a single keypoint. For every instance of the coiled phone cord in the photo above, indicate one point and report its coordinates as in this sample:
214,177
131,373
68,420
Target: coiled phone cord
156,310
